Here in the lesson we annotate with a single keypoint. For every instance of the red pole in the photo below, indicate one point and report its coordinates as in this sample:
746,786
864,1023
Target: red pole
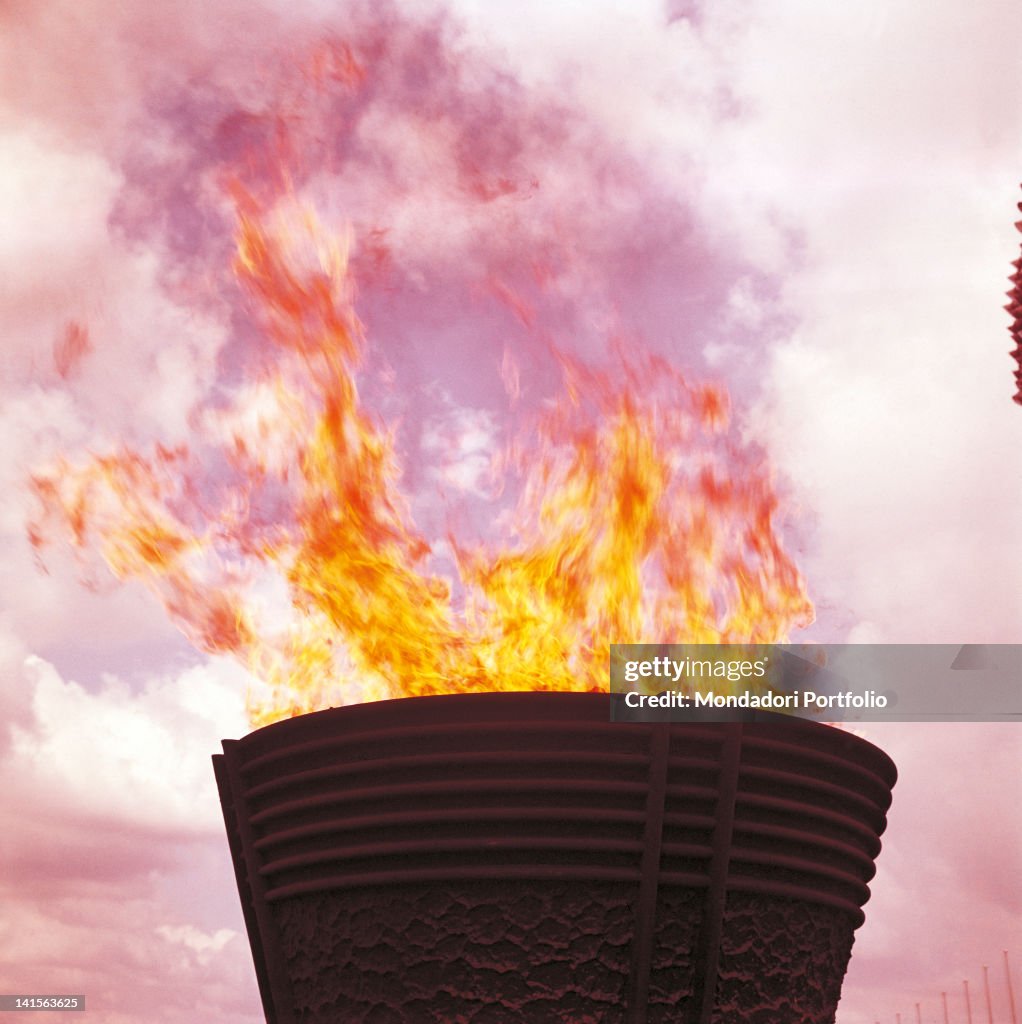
986,989
943,999
919,1016
968,1004
1011,995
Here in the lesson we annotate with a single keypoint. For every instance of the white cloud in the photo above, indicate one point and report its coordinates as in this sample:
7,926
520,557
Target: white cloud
123,758
112,850
868,135
56,204
463,443
204,946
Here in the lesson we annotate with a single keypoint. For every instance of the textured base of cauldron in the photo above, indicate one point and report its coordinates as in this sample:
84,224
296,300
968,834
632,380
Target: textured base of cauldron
419,954
549,953
781,961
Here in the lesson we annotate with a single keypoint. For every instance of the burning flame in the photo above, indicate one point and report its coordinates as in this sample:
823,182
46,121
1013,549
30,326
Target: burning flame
283,536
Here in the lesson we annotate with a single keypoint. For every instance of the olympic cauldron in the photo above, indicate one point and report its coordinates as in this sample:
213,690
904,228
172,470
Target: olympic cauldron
519,857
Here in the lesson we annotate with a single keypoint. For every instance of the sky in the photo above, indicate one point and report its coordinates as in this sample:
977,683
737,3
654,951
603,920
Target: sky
809,204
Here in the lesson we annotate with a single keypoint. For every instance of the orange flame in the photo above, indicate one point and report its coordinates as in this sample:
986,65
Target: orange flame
641,516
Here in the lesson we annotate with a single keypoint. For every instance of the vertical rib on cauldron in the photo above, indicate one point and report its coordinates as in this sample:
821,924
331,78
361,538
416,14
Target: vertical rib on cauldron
517,857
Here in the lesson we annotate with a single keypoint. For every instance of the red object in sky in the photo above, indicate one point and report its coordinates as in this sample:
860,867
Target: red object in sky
1014,307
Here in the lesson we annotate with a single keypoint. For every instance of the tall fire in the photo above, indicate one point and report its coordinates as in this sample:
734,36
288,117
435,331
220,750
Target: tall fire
449,454
283,531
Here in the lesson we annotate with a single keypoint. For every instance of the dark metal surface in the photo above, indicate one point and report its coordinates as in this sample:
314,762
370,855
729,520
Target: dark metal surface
504,795
728,777
645,904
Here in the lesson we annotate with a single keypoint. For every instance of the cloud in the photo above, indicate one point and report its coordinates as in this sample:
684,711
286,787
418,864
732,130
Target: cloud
462,443
147,357
115,947
204,946
887,154
95,62
112,846
15,701
147,751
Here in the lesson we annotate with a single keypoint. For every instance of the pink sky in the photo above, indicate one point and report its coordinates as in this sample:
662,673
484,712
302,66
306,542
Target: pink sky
812,204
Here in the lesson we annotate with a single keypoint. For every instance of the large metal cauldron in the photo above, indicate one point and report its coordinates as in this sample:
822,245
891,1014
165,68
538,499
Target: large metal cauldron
517,857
